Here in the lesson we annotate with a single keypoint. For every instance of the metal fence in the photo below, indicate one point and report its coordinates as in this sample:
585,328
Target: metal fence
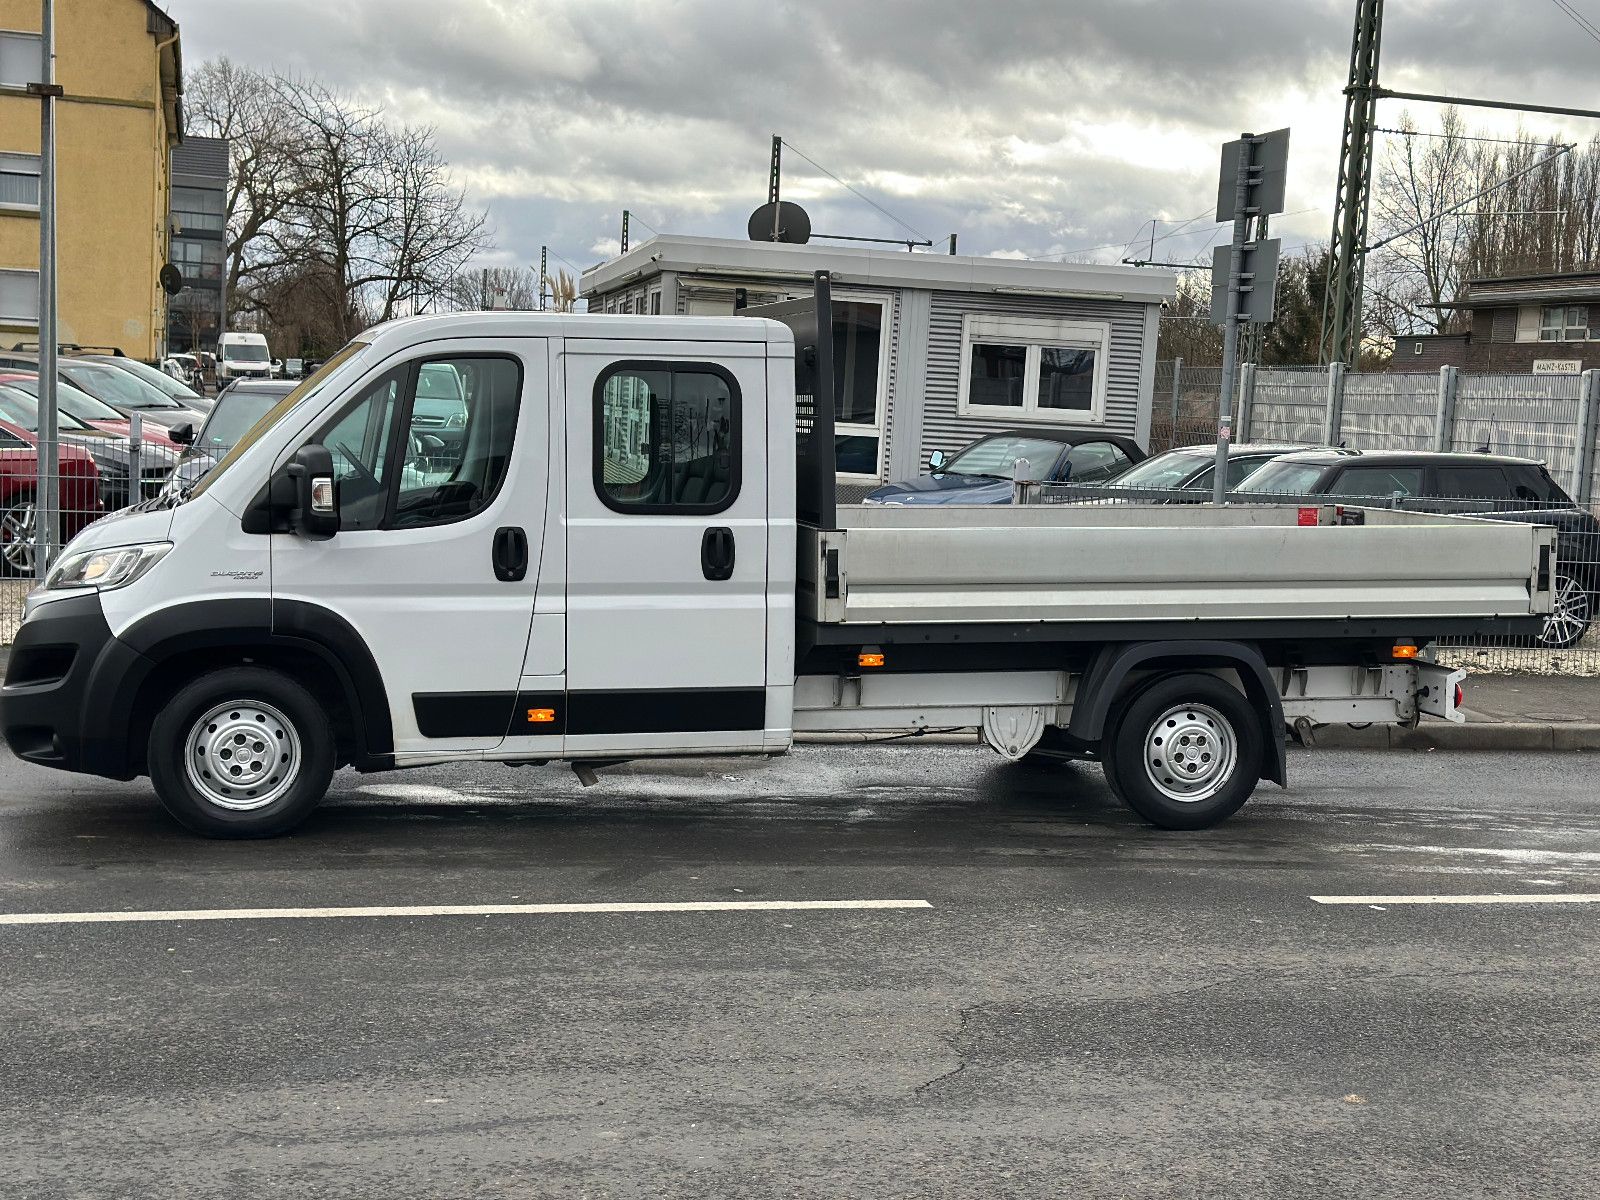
101,468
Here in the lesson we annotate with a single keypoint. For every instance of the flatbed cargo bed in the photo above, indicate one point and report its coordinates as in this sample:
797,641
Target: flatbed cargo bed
1132,563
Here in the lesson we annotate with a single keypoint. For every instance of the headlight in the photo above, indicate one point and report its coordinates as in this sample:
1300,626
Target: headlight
102,570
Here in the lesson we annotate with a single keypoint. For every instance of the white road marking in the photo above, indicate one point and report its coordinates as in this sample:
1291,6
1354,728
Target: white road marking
451,910
1503,898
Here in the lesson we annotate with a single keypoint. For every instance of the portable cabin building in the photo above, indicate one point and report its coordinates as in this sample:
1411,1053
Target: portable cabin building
930,350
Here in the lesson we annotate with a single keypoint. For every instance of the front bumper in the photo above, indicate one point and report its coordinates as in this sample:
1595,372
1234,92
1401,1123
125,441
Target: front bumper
66,678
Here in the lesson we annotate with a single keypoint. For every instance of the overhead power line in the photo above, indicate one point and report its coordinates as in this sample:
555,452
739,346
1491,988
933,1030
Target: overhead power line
1578,19
857,192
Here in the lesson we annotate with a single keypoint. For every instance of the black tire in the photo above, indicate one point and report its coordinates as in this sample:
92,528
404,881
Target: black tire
1226,733
285,754
1574,609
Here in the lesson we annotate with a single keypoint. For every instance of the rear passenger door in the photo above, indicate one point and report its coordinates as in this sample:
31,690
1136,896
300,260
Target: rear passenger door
666,547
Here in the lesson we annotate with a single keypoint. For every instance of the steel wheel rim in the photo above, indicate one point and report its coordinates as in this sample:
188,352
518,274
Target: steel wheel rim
17,525
242,755
1190,752
1569,616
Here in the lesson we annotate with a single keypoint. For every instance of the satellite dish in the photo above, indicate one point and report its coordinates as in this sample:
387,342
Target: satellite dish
793,225
171,279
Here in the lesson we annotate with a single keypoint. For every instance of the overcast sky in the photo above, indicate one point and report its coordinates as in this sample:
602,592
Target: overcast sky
1028,127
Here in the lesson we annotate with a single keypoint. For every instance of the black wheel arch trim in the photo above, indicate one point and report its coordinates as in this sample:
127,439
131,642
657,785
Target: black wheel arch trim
240,624
1116,661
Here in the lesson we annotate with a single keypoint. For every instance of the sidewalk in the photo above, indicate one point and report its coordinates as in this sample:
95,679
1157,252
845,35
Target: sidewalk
1504,712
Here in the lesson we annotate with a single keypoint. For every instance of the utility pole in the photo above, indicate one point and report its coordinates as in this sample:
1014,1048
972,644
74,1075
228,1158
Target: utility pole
1341,302
544,273
1253,337
47,502
624,231
775,181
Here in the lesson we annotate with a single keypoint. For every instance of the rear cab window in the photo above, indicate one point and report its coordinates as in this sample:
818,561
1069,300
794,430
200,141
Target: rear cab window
666,438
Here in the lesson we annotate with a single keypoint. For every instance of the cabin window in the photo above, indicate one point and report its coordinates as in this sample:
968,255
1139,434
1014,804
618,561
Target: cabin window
666,438
860,377
1034,368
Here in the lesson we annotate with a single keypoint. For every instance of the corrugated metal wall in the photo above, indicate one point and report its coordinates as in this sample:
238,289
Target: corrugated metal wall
943,428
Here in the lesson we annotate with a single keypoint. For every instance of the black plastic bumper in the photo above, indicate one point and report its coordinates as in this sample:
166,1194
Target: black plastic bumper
64,677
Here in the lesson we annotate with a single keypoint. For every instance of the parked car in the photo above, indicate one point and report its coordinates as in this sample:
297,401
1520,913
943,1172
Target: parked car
239,406
85,408
112,452
982,472
160,380
185,368
1189,470
1495,486
294,368
19,490
122,390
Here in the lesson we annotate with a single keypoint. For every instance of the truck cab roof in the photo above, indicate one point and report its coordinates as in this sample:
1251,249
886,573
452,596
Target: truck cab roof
408,331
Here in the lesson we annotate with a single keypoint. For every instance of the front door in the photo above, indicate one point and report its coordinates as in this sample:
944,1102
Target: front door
439,458
666,547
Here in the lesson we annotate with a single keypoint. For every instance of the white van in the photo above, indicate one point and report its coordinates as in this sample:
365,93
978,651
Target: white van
525,537
243,356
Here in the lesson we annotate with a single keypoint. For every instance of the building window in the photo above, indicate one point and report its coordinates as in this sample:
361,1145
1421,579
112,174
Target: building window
20,59
1564,323
1034,368
19,298
198,260
198,208
666,438
19,181
860,380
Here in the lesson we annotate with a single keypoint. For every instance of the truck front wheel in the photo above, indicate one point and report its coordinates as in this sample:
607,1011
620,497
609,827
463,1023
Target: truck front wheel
241,753
1186,752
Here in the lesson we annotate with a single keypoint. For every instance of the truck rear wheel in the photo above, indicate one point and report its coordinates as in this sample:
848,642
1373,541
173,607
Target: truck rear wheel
1185,753
241,753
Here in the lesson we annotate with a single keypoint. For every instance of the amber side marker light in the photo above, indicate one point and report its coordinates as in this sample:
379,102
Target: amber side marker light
541,716
870,658
1405,651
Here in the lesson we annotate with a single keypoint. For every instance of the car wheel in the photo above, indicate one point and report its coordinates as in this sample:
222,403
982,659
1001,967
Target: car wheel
241,753
19,525
1569,618
1186,752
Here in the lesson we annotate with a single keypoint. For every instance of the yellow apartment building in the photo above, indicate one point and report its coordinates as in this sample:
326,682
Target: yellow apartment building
121,69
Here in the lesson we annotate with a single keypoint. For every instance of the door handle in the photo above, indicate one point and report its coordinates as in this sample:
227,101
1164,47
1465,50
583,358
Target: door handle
510,554
716,553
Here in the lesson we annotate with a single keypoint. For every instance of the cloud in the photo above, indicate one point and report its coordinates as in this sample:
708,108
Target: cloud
1029,127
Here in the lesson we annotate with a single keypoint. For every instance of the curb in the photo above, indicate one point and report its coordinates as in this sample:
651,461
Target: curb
1506,735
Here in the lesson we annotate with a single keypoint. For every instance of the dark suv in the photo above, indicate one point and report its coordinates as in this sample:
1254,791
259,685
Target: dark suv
1495,486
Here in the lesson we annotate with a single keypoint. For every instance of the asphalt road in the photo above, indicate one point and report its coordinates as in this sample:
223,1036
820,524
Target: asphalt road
1088,1008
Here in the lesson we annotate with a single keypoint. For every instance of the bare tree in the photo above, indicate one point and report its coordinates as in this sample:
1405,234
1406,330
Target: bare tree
479,288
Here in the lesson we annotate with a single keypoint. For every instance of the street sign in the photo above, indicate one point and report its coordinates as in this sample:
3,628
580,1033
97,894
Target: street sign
1258,281
1269,159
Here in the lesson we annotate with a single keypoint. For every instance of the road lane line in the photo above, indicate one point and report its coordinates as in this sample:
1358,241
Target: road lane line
452,910
1502,898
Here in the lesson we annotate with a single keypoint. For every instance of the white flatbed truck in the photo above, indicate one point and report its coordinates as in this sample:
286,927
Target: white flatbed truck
618,539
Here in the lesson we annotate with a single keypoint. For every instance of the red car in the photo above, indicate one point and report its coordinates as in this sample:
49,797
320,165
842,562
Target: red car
19,485
78,403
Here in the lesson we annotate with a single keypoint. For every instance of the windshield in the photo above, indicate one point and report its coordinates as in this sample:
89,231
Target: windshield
234,416
1284,478
70,400
1168,470
244,352
998,455
22,409
115,387
159,380
307,387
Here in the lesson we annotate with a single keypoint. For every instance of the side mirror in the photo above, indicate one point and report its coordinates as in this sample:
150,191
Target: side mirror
314,513
182,435
937,460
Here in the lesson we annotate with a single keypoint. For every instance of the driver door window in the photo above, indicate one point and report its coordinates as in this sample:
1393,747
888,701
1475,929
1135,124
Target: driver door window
426,444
